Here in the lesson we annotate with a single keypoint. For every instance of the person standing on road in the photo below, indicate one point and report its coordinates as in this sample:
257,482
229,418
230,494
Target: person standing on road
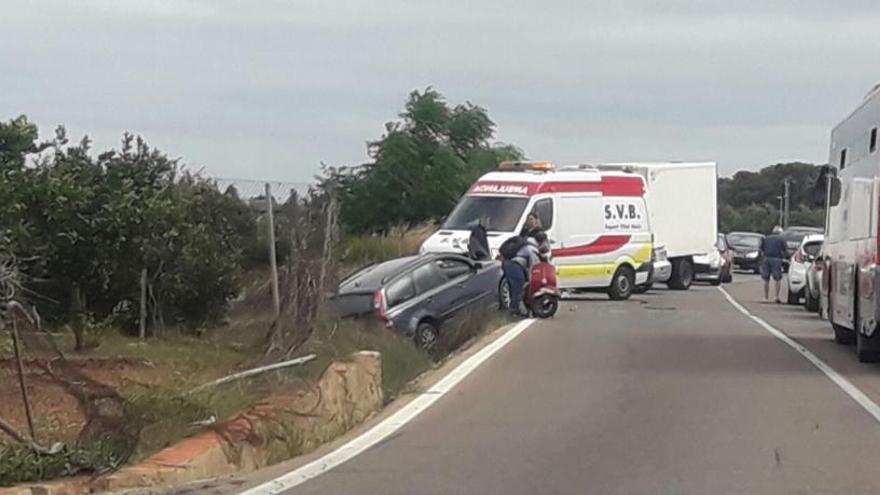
773,249
478,244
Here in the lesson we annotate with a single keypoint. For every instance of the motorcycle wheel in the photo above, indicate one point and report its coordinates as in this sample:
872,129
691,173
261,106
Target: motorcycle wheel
545,306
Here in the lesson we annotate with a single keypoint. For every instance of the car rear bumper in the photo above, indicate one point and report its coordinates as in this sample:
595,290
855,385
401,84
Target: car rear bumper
746,263
703,271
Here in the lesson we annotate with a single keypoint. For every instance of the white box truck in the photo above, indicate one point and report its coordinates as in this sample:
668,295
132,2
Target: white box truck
682,204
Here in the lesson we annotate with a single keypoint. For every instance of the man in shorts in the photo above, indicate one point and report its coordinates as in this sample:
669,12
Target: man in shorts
773,249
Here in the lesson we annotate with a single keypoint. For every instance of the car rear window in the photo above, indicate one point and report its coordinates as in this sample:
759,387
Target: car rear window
813,248
752,241
400,291
372,277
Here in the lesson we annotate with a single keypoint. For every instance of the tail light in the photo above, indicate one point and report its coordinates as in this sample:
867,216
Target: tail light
379,306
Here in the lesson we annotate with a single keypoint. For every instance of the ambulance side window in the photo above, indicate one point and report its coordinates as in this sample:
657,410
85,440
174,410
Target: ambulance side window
544,209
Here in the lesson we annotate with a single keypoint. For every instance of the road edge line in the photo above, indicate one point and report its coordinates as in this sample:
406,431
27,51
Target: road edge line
389,425
847,386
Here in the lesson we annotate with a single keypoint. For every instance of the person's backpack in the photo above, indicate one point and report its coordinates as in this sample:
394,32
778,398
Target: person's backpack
511,246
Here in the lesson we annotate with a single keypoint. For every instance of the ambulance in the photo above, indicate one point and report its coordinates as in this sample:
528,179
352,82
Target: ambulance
851,257
596,221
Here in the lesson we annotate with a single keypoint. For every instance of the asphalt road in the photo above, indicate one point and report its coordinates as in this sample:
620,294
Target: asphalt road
668,393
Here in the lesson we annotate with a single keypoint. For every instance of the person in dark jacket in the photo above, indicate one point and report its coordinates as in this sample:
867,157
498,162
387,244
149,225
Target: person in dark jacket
516,272
773,249
478,244
532,226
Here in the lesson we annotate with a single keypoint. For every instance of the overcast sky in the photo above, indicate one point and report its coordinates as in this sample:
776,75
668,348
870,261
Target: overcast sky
269,89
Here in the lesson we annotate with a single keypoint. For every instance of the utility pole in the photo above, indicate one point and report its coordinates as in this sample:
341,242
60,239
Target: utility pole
781,209
787,204
273,263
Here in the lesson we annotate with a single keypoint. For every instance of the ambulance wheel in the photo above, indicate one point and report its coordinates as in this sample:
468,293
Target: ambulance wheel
622,283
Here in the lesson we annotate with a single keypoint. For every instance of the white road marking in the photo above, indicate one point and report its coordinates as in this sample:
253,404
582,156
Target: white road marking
847,386
389,425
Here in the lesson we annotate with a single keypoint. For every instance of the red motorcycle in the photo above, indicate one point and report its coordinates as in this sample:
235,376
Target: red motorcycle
541,294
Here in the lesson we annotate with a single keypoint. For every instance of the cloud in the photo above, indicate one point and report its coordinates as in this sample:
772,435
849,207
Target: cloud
273,88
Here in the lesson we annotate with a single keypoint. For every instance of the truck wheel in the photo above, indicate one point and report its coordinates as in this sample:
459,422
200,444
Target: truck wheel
843,335
866,347
863,352
622,283
682,274
810,302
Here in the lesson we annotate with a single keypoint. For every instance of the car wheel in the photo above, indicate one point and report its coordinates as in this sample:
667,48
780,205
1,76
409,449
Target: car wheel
682,274
426,335
504,295
793,297
622,283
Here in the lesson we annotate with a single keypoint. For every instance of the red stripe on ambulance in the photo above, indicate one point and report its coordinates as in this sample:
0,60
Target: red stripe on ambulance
603,244
608,186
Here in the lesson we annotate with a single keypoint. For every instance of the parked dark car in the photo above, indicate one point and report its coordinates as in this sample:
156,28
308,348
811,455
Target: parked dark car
746,247
795,235
416,295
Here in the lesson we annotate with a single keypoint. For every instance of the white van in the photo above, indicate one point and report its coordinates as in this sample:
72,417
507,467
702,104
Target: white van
597,222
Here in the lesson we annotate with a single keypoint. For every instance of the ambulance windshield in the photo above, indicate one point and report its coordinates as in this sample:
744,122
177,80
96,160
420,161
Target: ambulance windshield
504,212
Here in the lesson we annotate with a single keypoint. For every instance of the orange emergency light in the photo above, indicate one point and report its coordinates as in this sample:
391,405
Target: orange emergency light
521,165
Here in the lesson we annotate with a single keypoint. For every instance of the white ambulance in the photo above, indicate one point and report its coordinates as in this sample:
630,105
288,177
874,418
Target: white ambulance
597,221
851,281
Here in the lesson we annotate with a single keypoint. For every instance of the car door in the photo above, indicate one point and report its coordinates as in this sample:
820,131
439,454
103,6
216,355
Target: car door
470,287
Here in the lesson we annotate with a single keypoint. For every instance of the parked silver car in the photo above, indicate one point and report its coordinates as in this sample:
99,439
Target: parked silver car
813,288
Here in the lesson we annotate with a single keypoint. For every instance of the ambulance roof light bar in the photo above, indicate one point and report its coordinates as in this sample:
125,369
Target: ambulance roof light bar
511,165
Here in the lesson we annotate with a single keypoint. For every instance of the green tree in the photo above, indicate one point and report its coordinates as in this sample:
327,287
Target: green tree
421,166
748,201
